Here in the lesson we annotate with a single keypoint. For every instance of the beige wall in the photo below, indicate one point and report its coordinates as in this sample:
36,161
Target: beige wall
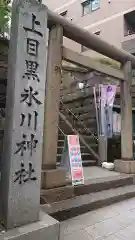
108,19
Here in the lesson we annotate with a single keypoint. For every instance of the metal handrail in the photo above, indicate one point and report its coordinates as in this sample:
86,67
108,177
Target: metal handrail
62,116
61,131
84,127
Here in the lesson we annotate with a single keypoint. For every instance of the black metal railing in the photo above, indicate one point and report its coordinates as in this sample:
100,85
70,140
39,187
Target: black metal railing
74,120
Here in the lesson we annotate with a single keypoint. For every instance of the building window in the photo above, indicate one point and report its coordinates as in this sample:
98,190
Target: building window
86,7
90,6
129,23
95,4
63,14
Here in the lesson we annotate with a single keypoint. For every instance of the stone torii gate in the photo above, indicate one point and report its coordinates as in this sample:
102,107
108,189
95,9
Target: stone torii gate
33,95
59,27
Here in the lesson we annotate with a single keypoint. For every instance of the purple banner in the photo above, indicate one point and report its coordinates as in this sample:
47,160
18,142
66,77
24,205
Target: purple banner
108,93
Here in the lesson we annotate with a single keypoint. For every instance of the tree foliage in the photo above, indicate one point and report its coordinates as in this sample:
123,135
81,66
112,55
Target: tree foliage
4,16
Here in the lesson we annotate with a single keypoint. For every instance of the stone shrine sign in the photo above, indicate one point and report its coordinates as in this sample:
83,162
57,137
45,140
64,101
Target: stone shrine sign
21,166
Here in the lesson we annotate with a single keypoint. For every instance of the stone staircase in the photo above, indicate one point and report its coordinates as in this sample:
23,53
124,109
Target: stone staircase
78,107
67,202
78,117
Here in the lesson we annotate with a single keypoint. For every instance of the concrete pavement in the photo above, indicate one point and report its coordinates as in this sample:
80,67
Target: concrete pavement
114,222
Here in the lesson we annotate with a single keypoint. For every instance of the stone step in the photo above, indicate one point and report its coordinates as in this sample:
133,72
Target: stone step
93,145
76,97
85,163
90,101
61,137
81,96
83,109
61,142
56,194
85,102
87,160
59,155
81,204
90,139
90,186
88,123
85,155
85,120
83,131
59,149
89,163
86,116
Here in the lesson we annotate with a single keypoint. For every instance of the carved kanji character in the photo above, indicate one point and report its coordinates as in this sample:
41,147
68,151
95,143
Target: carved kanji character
35,24
24,175
29,174
32,47
21,146
25,144
31,70
29,119
32,143
30,95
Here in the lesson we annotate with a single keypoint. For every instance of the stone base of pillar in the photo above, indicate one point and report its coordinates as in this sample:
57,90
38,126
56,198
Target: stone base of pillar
46,228
57,194
53,178
124,166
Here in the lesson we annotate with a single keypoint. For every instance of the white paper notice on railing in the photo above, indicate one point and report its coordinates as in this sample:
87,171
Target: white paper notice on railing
116,123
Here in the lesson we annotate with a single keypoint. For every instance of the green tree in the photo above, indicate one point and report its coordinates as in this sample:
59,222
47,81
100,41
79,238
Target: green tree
4,17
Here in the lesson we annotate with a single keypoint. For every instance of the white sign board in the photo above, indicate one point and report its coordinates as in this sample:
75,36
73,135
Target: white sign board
72,159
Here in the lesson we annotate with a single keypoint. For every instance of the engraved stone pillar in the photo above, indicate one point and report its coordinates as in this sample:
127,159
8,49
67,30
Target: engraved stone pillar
21,166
